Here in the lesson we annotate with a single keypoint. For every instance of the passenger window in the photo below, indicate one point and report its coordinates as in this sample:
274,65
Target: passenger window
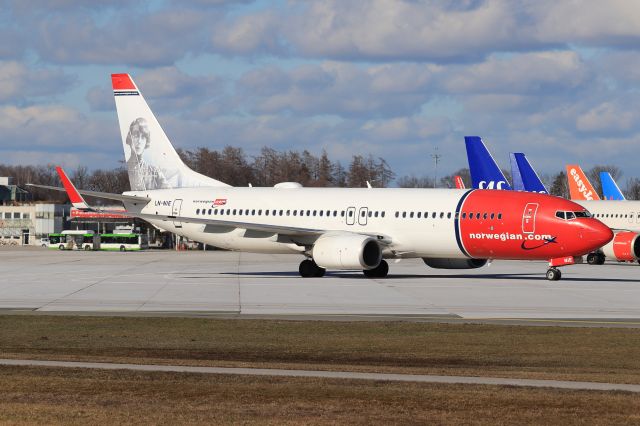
342,213
370,213
449,215
478,215
246,212
281,211
441,215
411,215
288,212
209,212
464,215
234,211
335,213
350,213
404,214
321,212
419,215
484,216
433,215
259,212
253,212
308,212
295,213
397,214
197,211
266,212
240,212
314,212
382,214
499,216
375,214
426,215
493,215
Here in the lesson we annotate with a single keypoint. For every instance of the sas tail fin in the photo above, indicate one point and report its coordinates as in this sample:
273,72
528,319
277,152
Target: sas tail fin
459,182
610,189
152,161
485,173
528,178
579,186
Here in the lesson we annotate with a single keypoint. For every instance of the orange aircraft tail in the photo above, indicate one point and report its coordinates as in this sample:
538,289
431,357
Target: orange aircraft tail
579,186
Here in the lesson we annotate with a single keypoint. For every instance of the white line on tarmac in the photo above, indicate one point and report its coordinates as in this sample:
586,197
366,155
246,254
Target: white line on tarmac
333,375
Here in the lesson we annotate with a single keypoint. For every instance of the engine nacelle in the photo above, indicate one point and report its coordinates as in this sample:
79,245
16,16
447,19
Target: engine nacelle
445,263
625,246
343,250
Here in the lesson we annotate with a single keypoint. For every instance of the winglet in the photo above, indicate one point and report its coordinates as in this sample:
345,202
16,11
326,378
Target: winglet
75,197
579,186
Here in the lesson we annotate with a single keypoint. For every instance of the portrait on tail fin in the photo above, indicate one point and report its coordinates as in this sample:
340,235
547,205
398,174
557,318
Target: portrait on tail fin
142,175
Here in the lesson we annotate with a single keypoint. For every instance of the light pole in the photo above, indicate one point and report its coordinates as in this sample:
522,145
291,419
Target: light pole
436,159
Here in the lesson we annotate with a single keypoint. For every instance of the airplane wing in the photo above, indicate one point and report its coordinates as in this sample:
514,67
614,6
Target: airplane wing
105,195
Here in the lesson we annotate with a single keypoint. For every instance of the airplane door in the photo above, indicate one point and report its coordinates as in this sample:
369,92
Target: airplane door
351,215
529,218
362,215
175,211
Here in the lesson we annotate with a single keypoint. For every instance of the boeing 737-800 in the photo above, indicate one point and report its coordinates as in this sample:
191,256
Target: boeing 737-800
338,228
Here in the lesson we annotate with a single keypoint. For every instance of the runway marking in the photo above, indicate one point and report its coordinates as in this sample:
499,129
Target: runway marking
349,375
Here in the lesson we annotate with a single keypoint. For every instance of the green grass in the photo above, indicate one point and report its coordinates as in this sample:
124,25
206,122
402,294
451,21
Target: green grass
591,354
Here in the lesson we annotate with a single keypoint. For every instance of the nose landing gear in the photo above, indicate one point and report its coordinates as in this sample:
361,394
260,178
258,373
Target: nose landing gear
553,274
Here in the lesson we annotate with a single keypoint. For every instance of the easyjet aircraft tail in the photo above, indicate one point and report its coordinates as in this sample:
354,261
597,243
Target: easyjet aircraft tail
610,189
579,186
485,173
151,160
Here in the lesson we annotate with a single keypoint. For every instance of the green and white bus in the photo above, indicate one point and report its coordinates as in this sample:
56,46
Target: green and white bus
72,240
123,242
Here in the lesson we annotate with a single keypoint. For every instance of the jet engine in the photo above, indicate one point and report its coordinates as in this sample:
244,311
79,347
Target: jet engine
343,250
446,263
625,246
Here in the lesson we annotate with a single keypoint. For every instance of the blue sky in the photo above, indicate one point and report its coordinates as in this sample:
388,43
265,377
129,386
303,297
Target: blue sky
556,80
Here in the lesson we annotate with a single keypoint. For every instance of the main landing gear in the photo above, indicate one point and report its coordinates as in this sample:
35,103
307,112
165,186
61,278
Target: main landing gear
595,258
379,271
308,269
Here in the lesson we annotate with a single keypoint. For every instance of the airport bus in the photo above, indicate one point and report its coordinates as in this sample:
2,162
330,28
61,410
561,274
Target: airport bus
123,242
72,240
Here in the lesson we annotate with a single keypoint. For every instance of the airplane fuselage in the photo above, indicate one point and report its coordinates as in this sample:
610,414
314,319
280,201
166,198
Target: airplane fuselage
427,223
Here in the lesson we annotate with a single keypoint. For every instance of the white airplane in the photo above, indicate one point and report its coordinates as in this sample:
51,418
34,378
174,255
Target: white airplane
338,228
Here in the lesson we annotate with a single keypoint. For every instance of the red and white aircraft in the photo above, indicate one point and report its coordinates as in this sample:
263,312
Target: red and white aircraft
339,228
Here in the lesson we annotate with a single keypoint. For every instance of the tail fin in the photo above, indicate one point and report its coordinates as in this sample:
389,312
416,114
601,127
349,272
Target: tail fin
152,161
516,176
529,179
579,186
459,182
610,189
485,173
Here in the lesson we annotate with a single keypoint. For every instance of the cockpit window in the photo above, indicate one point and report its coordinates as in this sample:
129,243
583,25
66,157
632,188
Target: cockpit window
583,214
560,215
570,215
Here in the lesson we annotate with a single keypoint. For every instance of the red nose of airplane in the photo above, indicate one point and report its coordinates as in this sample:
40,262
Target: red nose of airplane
595,233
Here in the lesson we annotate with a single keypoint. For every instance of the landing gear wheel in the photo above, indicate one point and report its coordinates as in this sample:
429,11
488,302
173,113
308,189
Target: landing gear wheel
600,258
379,271
592,259
553,274
308,268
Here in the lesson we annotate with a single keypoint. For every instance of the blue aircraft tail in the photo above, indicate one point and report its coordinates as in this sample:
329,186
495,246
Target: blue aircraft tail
485,173
610,189
530,181
516,176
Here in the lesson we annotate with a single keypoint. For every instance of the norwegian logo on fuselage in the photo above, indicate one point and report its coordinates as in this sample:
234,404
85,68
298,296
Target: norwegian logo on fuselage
581,186
492,184
220,202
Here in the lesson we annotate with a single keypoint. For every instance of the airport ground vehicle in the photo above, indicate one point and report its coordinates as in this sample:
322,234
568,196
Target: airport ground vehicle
71,240
123,242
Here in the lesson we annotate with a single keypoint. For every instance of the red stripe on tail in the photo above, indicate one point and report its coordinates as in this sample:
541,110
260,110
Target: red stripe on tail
122,82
